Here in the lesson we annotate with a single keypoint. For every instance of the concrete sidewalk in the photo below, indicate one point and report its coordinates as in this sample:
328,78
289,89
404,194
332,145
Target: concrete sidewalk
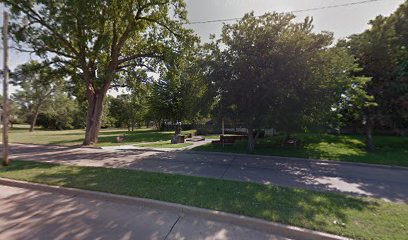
375,181
30,214
161,149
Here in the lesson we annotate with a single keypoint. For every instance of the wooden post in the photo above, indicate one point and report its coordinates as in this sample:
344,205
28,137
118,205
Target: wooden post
223,131
6,160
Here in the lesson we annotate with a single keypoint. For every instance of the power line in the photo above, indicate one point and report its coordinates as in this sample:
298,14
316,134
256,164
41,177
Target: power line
295,11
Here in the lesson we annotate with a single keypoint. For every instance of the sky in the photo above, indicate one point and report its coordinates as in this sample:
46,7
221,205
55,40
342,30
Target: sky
342,21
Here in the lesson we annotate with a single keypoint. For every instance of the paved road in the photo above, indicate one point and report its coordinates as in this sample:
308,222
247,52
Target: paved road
379,182
31,215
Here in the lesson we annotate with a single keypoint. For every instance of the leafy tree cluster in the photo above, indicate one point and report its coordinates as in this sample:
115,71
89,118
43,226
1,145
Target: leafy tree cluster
99,41
38,84
42,99
382,54
262,72
178,93
273,71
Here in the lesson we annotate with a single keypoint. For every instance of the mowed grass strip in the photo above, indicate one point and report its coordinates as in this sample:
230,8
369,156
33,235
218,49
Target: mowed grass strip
355,217
107,137
390,150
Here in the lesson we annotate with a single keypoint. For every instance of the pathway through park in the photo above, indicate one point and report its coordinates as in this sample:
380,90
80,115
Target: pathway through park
376,181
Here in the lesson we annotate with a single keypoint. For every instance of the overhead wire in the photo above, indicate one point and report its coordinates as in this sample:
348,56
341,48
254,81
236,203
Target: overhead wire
294,11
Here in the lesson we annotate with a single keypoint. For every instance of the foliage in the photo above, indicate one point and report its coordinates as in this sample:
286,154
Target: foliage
178,93
14,111
382,52
100,41
37,86
353,104
129,110
308,102
271,70
390,150
61,113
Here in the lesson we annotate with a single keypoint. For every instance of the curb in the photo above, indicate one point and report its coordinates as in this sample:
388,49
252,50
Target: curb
249,222
300,159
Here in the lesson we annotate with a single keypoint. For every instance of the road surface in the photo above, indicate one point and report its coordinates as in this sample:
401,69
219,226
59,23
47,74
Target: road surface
32,215
381,182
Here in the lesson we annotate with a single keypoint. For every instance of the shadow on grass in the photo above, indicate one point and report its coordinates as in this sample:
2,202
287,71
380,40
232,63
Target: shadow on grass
109,138
390,150
136,137
305,208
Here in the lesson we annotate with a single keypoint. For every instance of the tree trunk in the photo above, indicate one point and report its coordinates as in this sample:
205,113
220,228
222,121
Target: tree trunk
252,139
286,138
34,120
369,134
93,117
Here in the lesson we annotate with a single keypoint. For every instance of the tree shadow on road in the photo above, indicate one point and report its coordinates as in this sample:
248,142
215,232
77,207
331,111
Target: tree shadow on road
335,213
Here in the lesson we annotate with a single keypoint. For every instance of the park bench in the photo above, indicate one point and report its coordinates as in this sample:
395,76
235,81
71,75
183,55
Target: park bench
291,142
229,139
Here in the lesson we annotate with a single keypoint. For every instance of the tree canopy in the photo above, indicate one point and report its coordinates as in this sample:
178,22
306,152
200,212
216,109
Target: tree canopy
100,40
274,71
38,84
382,53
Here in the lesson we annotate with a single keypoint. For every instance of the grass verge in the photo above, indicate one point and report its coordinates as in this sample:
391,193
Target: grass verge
359,218
390,150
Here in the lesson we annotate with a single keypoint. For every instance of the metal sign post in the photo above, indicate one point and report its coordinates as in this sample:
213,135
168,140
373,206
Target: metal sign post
5,119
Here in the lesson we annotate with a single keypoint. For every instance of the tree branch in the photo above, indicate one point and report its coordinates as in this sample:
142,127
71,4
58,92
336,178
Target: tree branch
161,24
132,57
122,68
34,15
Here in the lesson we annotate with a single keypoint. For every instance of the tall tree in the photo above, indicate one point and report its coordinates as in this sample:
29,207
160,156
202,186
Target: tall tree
177,95
273,71
130,109
99,40
398,89
382,53
37,84
61,112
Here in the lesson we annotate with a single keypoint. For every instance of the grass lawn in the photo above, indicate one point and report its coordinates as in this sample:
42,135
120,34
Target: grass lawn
107,137
359,218
390,150
164,144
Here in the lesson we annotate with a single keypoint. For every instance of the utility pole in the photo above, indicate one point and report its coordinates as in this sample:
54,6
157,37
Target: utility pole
6,160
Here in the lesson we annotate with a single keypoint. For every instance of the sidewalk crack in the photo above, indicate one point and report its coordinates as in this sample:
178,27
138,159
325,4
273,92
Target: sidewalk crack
171,229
